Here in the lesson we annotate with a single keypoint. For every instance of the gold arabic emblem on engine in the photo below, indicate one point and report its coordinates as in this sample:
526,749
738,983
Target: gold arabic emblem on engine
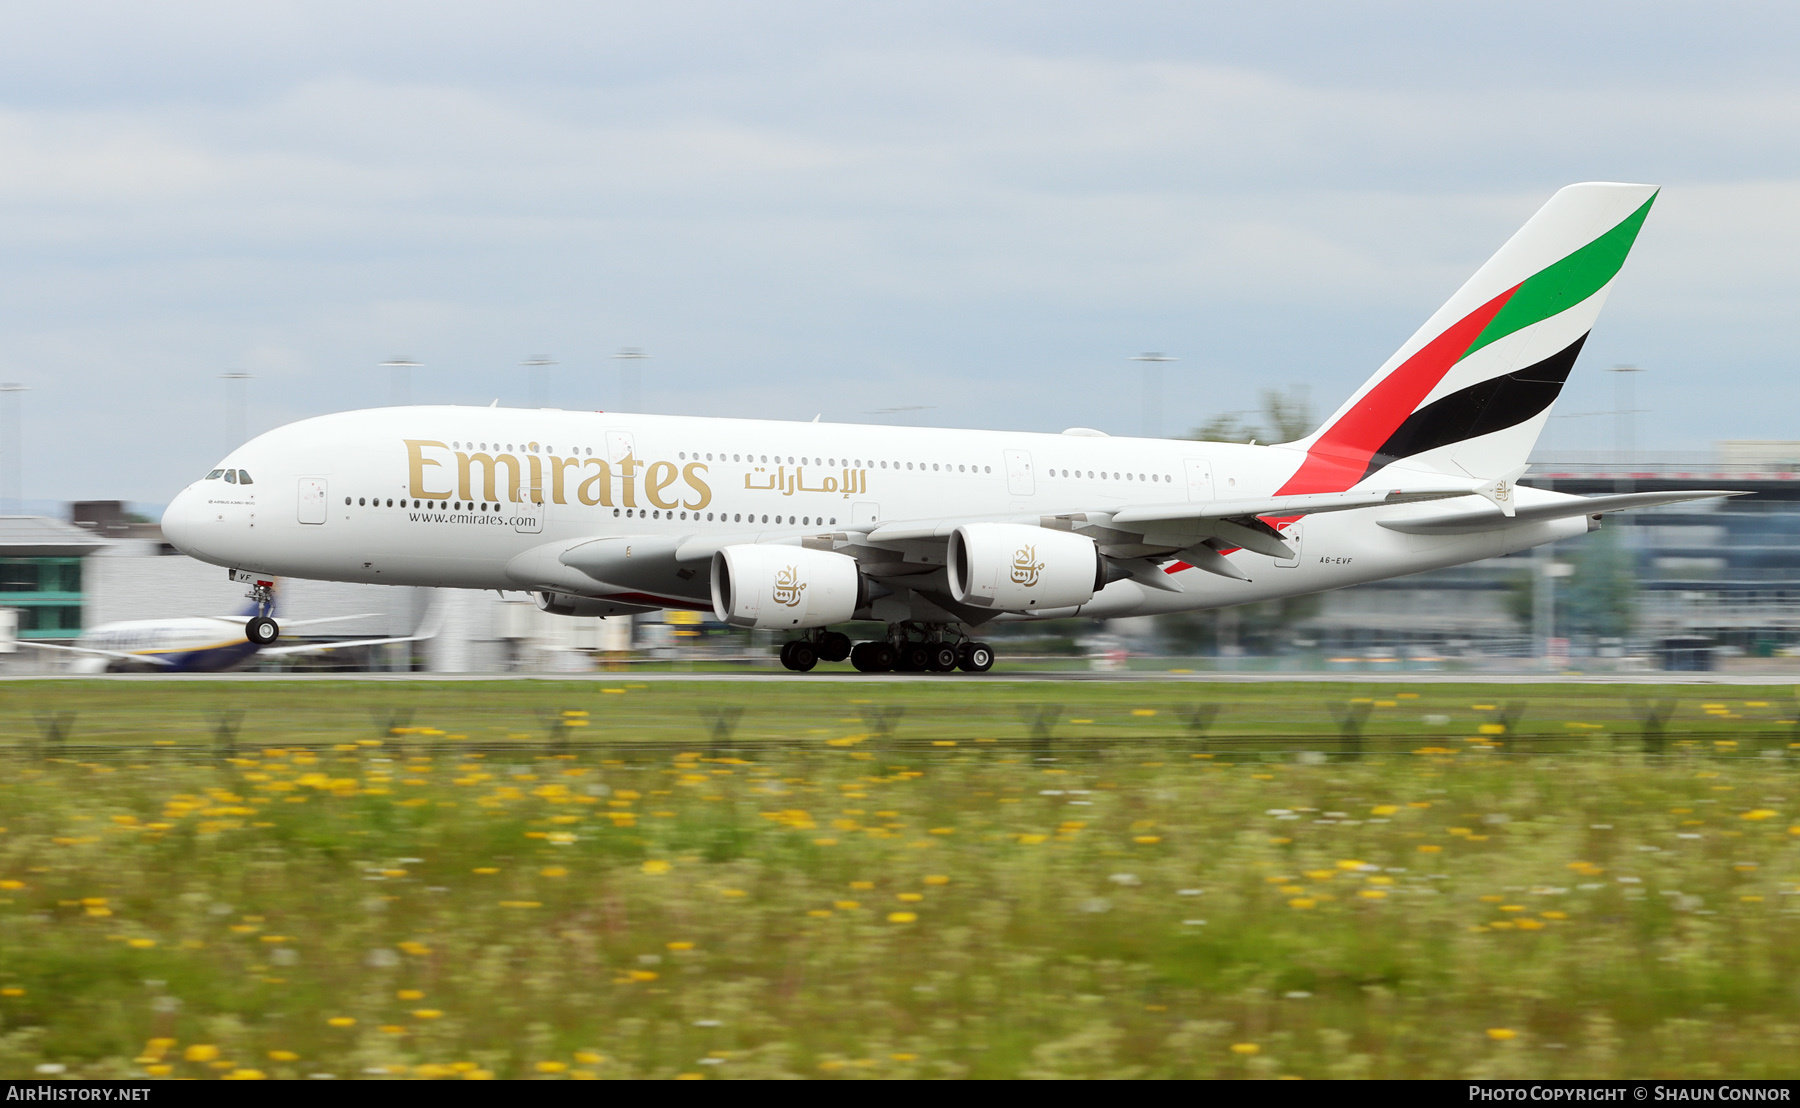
1026,567
788,587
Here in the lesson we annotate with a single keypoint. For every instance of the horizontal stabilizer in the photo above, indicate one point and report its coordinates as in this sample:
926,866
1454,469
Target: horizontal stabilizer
1468,521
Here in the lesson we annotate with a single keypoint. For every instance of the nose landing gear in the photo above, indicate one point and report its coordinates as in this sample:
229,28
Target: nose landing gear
261,628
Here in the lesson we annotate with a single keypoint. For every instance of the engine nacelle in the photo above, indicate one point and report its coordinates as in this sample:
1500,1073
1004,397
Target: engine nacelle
1015,568
565,604
784,587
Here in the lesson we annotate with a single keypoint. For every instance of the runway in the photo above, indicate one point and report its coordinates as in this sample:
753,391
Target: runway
1022,676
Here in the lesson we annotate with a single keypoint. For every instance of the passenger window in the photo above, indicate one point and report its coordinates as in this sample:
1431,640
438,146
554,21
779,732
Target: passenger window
214,475
231,477
244,477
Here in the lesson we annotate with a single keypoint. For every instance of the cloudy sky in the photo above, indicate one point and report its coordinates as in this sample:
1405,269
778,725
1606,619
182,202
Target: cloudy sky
976,210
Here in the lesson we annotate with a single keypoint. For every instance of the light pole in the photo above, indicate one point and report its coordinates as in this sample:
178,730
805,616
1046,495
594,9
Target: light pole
235,405
537,366
1152,389
401,374
629,357
15,451
1624,425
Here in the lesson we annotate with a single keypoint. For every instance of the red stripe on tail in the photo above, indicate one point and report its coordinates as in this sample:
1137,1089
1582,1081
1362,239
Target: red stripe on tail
1341,456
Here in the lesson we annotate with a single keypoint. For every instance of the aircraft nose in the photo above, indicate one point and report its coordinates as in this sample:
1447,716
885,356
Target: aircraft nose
178,522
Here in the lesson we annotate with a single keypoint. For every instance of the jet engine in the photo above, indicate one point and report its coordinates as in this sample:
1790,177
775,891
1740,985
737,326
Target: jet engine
784,587
1016,568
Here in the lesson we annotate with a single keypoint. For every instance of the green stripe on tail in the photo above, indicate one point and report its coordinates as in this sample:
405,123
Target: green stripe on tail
1564,284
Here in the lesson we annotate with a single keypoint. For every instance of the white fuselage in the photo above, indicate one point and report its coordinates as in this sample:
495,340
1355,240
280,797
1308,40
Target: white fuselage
449,496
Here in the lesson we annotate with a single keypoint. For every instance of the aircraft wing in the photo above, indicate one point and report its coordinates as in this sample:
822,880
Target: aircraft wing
428,629
286,623
1146,530
120,654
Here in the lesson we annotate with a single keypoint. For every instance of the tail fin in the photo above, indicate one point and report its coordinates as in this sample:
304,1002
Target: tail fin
1470,391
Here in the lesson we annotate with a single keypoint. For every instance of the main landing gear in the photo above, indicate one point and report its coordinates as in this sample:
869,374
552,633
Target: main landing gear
262,628
934,650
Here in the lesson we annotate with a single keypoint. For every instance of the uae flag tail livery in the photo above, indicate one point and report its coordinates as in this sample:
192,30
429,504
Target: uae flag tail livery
1467,395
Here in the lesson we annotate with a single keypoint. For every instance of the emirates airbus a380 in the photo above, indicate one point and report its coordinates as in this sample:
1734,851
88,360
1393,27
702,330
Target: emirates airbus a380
936,533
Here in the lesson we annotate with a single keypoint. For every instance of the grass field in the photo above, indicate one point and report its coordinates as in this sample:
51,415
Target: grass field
901,879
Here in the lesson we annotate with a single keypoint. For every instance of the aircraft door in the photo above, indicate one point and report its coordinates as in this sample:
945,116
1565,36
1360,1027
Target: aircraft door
1199,478
313,497
1019,478
1292,536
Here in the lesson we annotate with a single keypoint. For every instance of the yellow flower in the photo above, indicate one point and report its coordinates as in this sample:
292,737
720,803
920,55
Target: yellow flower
552,1067
12,990
414,947
910,896
847,905
1554,915
553,871
862,885
936,879
1302,902
201,1052
1384,809
901,917
1429,848
426,1013
487,869
478,1075
1351,863
1501,1034
1372,894
159,1070
10,884
141,944
655,866
283,1056
244,1075
392,1029
1245,1048
589,1058
904,1057
1759,813
410,994
342,1021
1147,839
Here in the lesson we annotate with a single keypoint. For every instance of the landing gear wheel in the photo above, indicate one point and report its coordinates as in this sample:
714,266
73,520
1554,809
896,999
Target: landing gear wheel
940,657
913,657
799,656
872,657
977,657
261,630
833,646
785,647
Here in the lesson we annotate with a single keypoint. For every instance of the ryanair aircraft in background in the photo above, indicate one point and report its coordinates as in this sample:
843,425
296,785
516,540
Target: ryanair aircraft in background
937,533
197,644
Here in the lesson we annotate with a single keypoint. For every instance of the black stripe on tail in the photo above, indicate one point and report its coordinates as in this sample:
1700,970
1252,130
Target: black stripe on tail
1481,409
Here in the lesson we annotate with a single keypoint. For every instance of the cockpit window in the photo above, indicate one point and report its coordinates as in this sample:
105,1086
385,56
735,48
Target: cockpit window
231,477
215,475
244,477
